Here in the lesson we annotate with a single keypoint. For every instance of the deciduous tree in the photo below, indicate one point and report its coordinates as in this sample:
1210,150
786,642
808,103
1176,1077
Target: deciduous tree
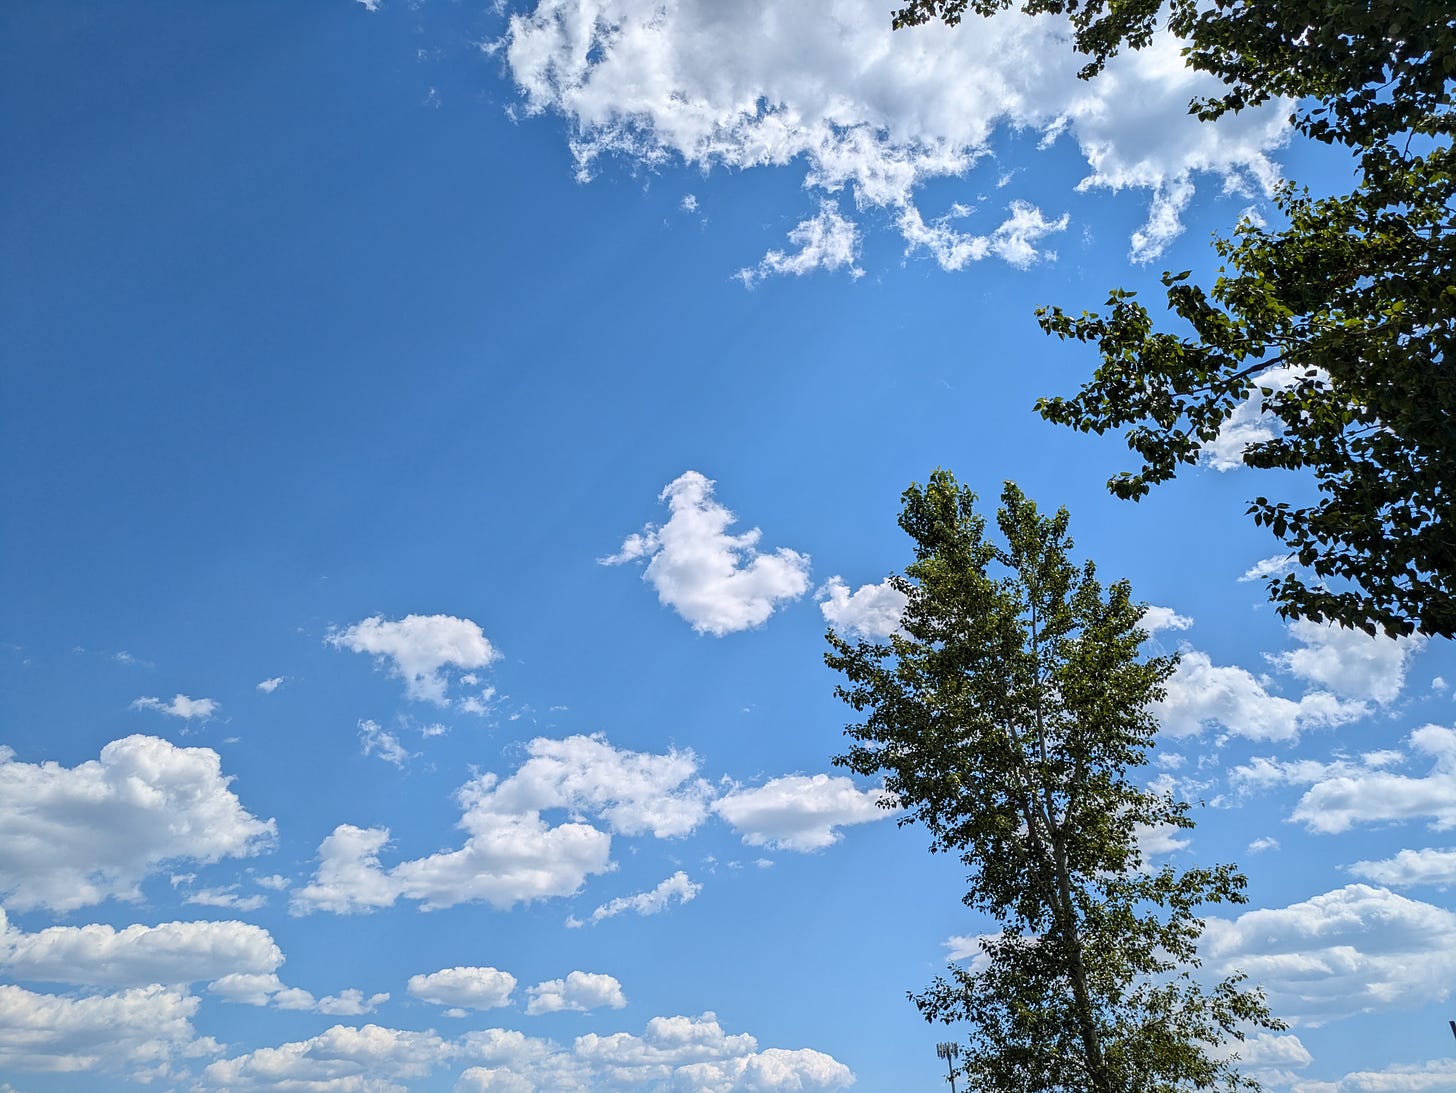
1010,716
1335,322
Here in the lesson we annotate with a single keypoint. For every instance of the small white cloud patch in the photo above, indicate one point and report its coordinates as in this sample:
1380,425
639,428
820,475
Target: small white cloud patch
827,241
465,987
799,812
719,583
579,992
419,649
1156,619
374,740
676,887
189,709
871,611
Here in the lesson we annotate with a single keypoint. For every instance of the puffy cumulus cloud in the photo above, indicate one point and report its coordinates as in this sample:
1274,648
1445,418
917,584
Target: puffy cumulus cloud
465,988
1201,693
634,792
1435,1076
1252,421
1349,662
189,709
76,836
1274,566
799,812
1354,950
676,887
1157,619
720,583
1344,796
149,1026
827,241
268,686
1268,1058
694,1053
369,1059
874,113
506,860
578,992
1410,868
349,878
871,611
512,854
419,649
268,989
171,953
773,1069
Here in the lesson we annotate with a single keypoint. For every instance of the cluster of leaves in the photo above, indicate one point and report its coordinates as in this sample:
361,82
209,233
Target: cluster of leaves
1009,716
1338,320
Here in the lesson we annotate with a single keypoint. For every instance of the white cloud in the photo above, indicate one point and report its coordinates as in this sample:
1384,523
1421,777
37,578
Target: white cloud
718,582
1349,662
634,792
466,988
419,649
872,113
77,836
1435,1076
827,241
349,878
268,686
181,706
1268,1058
799,812
872,610
173,953
370,5
1014,240
1354,950
374,740
370,1059
695,1054
1341,797
1410,868
268,989
1201,693
578,992
225,897
1249,423
677,886
1156,619
1274,566
144,1025
511,854
1258,846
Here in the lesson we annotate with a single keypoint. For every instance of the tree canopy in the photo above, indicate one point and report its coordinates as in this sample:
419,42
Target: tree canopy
1336,321
1010,716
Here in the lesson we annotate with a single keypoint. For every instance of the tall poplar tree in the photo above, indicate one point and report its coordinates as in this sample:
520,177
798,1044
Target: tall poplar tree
1010,716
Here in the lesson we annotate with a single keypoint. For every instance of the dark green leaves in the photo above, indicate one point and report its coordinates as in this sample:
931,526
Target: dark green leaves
1010,717
1352,295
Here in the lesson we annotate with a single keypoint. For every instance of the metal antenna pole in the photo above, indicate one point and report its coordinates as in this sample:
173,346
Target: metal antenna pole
948,1051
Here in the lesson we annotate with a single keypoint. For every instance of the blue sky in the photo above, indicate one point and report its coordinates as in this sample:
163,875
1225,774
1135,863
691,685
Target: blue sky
346,342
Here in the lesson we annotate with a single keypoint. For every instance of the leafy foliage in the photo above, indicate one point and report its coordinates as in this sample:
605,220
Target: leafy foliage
1009,716
1339,320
